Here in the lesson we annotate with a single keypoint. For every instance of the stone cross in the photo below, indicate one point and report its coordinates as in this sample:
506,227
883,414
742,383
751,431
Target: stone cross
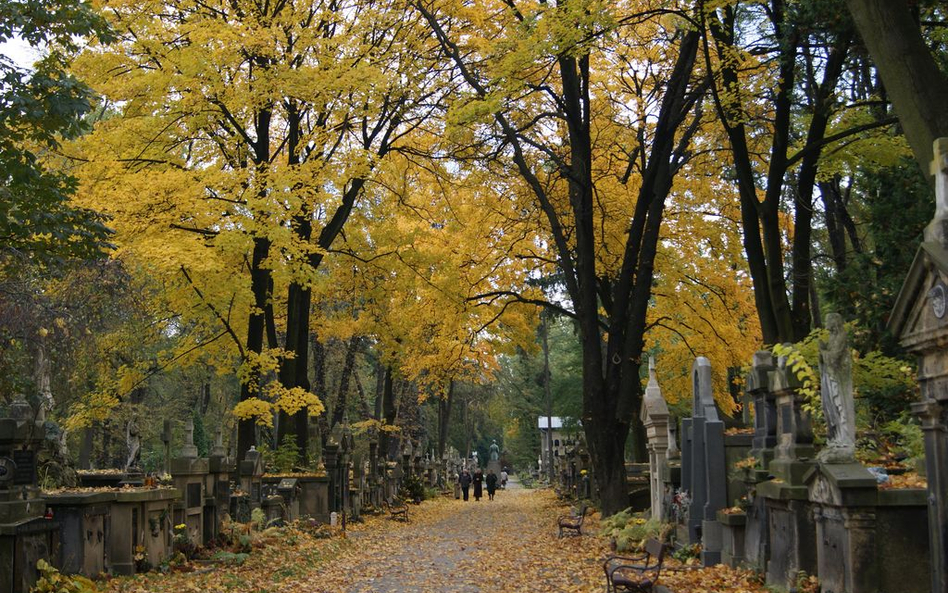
218,450
189,450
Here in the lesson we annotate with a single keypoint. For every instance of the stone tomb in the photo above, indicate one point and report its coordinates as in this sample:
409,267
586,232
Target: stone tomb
25,535
85,521
141,518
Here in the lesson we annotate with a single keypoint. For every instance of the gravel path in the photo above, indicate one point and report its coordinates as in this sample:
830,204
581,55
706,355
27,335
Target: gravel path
508,544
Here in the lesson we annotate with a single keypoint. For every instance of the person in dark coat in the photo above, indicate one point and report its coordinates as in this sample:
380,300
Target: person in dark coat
465,481
491,481
478,484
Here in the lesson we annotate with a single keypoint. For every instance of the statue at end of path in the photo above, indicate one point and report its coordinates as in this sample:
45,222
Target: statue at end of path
836,390
494,451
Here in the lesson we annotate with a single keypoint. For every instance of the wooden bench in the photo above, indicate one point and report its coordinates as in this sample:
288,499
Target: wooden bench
573,522
635,573
397,509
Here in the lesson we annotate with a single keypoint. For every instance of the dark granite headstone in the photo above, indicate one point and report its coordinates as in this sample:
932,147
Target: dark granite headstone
25,471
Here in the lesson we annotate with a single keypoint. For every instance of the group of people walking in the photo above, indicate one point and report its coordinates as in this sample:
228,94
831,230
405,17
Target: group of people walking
465,480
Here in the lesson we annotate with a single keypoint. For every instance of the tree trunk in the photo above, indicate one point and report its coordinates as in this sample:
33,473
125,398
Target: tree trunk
444,419
388,445
913,80
342,400
259,285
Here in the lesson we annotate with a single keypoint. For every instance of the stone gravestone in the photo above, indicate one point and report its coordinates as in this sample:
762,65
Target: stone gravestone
220,470
790,527
920,321
756,535
189,474
654,416
715,470
703,465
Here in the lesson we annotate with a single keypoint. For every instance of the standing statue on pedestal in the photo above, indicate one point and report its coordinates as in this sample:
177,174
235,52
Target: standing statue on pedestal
494,451
836,390
134,443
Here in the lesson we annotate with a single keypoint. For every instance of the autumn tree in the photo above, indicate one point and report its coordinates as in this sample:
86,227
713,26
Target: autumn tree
588,105
409,273
39,108
915,82
787,89
244,136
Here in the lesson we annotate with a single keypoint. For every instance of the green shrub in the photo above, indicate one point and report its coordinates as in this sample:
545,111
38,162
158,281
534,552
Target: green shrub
287,456
629,530
412,488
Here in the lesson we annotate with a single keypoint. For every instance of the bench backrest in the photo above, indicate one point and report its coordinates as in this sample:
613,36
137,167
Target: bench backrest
656,550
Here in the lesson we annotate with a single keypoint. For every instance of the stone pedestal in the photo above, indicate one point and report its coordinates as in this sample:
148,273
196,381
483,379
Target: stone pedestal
756,533
250,474
765,407
314,497
732,538
494,464
844,498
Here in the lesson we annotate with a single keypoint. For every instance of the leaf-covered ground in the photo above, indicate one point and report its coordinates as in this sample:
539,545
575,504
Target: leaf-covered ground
508,544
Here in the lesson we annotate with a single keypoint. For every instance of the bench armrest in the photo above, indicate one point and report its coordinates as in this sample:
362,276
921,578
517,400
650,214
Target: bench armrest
638,568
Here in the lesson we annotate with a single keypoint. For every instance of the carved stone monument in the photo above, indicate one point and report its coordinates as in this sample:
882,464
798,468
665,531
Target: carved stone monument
493,459
836,390
920,321
654,415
